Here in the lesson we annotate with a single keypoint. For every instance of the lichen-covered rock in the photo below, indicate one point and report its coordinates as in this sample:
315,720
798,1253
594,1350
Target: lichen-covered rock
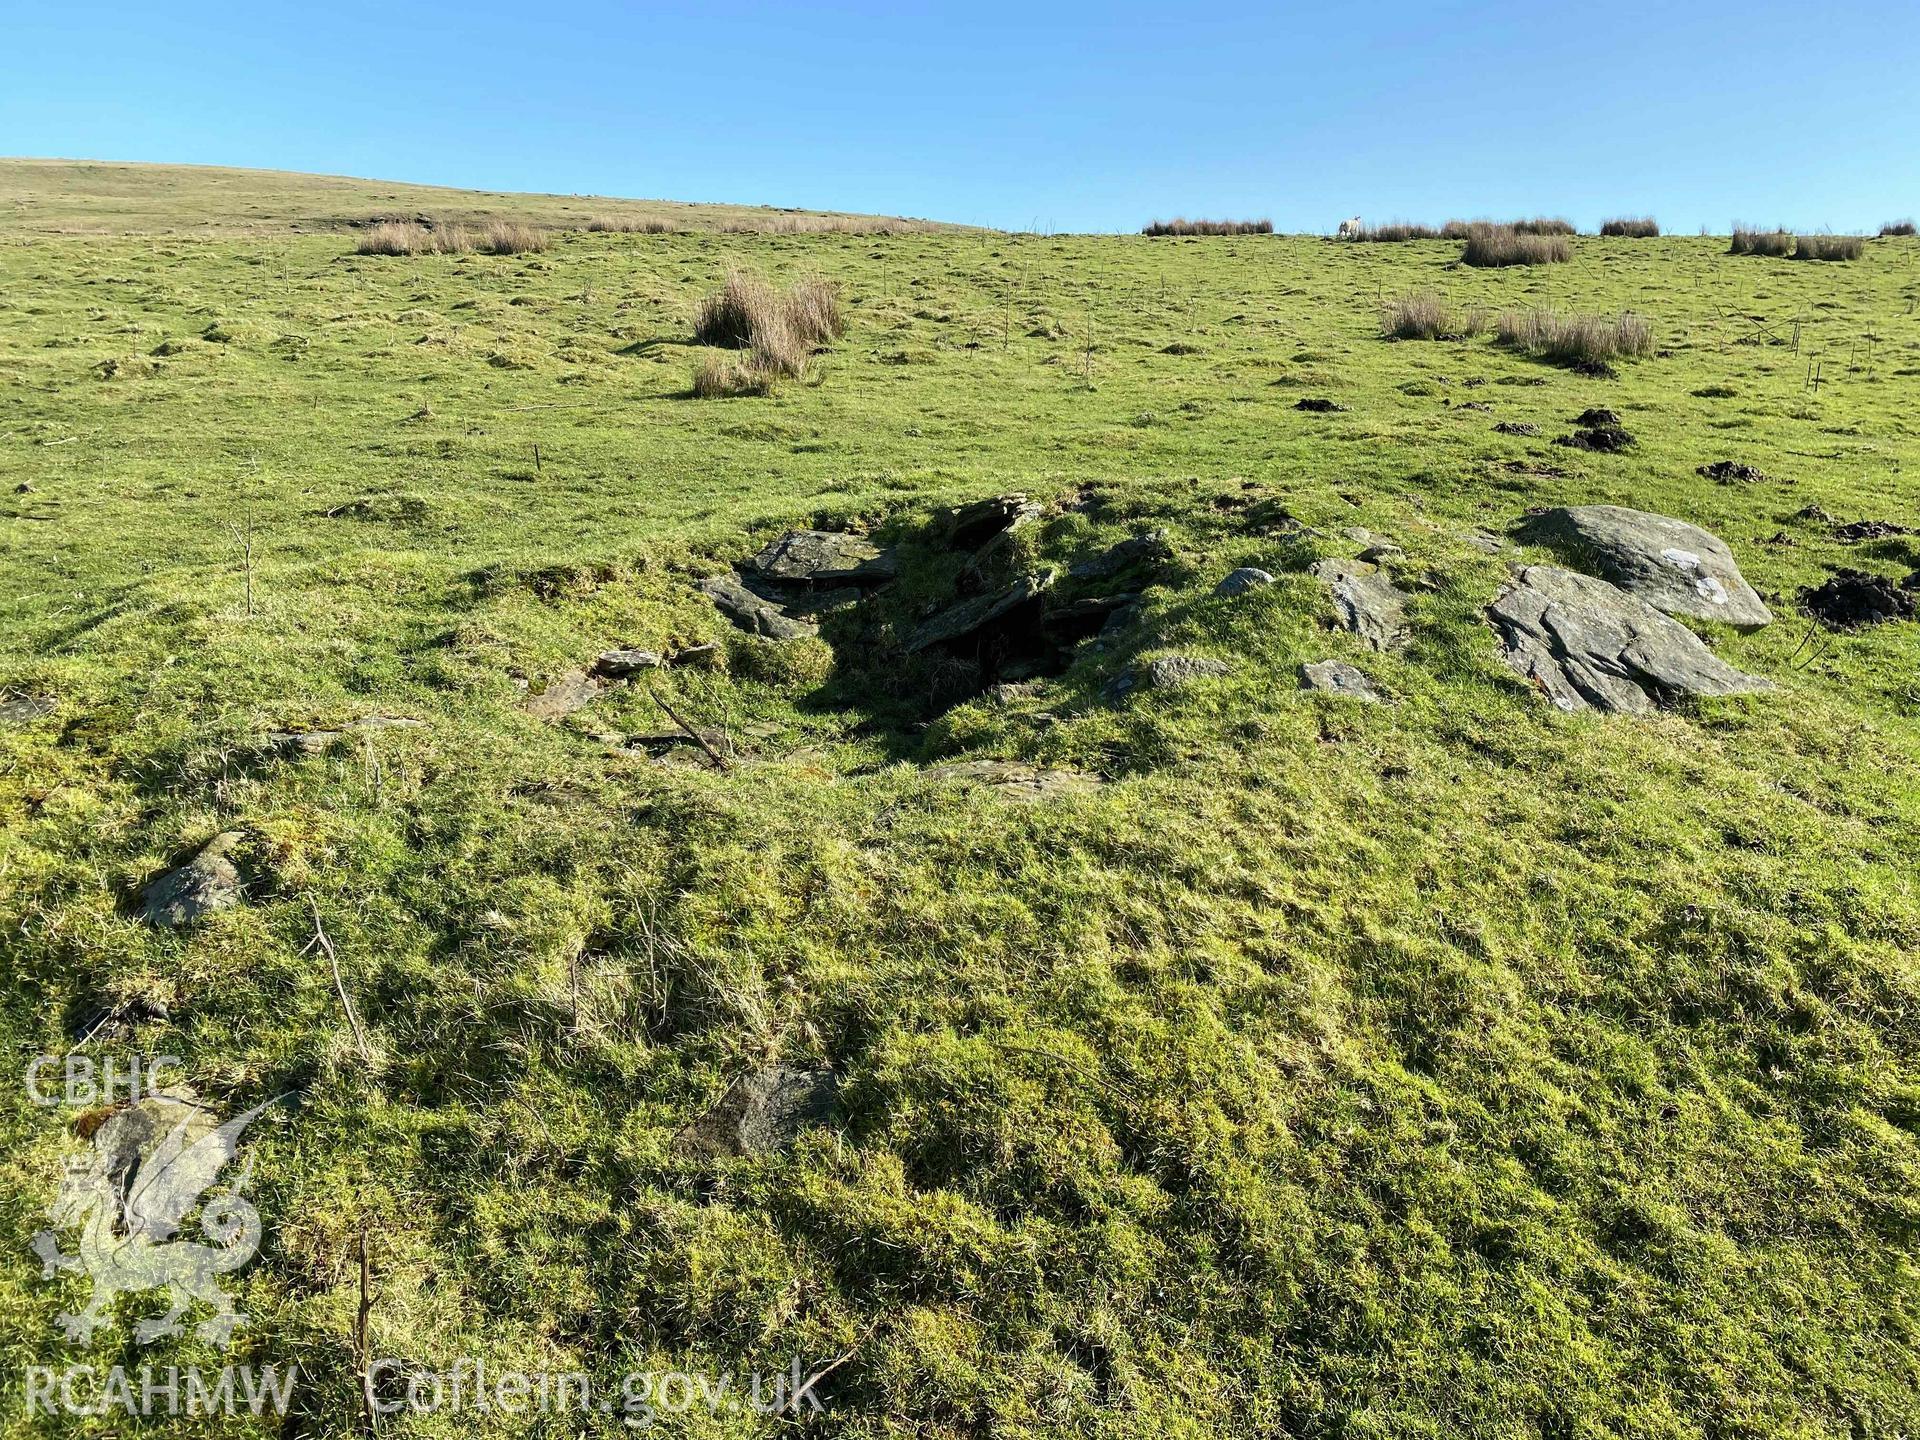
1365,602
1336,677
1239,582
825,557
1590,645
762,1112
752,611
210,881
567,692
1673,566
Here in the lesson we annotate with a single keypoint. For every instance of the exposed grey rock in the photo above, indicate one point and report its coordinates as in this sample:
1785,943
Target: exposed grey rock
762,1112
1014,781
617,664
750,610
19,710
1365,602
1589,644
1487,544
1383,551
699,656
823,600
825,557
1175,672
969,617
1247,577
967,527
1336,677
1359,534
1151,548
295,743
208,882
569,691
1673,566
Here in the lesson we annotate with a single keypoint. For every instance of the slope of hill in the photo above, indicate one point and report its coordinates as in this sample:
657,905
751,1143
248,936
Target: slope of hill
92,197
1068,1026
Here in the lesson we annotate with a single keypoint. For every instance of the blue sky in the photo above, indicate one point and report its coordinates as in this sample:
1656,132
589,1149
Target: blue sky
1062,115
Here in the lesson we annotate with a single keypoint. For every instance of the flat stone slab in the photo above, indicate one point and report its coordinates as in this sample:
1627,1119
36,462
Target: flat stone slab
1590,645
1673,566
208,882
618,664
1365,602
1239,582
19,710
1337,678
569,691
967,527
1015,781
1152,548
825,557
752,611
969,617
762,1112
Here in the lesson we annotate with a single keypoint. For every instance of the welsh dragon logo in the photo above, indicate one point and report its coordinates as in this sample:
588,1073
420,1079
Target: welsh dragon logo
150,1164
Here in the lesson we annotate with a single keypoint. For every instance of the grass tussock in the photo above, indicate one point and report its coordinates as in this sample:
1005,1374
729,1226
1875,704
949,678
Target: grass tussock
1747,240
778,328
1829,247
1897,229
511,237
1544,225
1395,231
1208,227
1584,342
1428,315
626,225
1631,227
408,237
1493,246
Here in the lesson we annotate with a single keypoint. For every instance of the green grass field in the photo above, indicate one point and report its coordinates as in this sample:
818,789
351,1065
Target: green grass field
1445,1067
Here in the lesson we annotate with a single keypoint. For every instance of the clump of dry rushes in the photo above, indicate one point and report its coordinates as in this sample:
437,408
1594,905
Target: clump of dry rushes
1208,227
1829,247
409,237
627,225
1544,225
779,329
1427,315
1394,231
1749,241
1897,229
1631,227
1583,342
1497,245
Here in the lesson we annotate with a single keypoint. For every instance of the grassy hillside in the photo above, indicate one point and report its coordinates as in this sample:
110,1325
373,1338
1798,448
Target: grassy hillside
96,197
1447,1066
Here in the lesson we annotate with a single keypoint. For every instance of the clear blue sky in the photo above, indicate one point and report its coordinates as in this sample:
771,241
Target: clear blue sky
1061,115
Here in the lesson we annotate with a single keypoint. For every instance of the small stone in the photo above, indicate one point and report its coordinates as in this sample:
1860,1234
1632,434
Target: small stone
1176,672
617,664
19,710
570,691
699,656
762,1112
825,556
752,611
1148,549
1359,534
208,882
967,527
1014,781
1336,677
1239,582
1384,551
1365,602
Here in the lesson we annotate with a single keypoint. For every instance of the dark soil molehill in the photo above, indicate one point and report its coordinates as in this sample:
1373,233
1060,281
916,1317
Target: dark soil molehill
1515,427
1728,472
1319,406
1854,599
1858,530
1597,417
1604,439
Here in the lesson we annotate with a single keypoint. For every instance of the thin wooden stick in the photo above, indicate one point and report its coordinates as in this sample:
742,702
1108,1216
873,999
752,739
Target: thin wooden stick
339,983
697,738
362,1349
